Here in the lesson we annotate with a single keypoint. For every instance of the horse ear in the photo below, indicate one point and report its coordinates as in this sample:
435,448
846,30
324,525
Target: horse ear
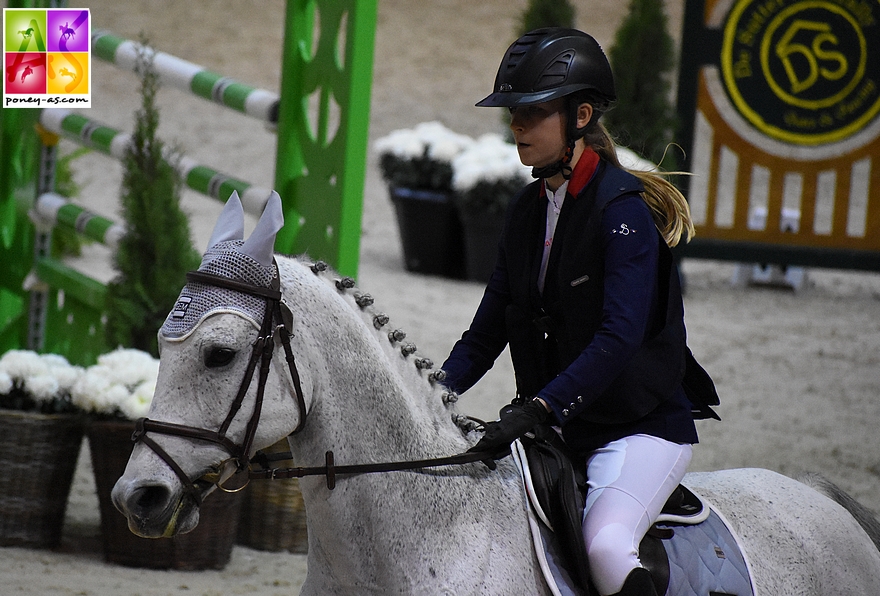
230,224
260,245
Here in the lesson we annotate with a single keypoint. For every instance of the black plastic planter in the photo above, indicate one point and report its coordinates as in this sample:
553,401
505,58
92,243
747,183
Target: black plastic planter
430,232
482,232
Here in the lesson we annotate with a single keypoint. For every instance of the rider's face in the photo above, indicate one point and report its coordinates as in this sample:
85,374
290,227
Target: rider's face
539,132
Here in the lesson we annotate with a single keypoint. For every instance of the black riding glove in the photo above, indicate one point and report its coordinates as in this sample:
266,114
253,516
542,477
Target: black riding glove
515,422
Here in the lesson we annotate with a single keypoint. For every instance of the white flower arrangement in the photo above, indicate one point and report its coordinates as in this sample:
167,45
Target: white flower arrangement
488,174
420,157
426,138
489,159
485,173
120,385
37,382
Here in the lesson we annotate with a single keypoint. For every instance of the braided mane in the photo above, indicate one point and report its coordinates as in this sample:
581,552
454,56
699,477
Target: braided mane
417,371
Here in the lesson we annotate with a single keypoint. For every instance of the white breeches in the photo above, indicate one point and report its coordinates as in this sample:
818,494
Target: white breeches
629,481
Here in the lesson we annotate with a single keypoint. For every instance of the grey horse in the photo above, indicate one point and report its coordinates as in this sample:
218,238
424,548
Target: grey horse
367,397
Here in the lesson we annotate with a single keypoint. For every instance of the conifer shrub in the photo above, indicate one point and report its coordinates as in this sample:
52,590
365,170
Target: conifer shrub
547,13
66,242
642,59
156,251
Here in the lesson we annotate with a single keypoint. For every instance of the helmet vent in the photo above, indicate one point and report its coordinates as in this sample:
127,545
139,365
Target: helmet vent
521,47
516,54
513,59
556,73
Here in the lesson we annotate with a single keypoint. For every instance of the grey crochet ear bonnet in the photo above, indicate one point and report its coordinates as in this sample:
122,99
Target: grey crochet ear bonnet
229,255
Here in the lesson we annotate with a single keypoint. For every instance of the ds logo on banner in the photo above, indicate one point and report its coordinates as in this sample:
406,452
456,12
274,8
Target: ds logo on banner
46,57
806,72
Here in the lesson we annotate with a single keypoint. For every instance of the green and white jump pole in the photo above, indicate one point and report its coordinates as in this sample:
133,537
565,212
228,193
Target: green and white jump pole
73,125
187,76
321,117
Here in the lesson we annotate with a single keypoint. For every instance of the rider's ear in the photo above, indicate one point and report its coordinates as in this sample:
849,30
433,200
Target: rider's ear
230,224
584,114
260,245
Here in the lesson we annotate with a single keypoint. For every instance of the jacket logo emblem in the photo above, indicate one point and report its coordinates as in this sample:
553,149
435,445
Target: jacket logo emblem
623,230
580,280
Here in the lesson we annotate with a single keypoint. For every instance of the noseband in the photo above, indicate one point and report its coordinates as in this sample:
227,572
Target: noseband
263,349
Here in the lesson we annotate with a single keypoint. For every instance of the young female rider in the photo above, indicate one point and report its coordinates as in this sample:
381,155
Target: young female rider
587,295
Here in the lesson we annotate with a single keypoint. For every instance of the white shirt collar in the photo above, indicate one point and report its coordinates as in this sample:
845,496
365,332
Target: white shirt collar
555,199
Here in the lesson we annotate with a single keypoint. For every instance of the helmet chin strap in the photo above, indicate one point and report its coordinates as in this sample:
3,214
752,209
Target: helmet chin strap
562,166
572,133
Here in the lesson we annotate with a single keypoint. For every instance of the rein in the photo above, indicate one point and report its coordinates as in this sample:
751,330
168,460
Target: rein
263,349
331,470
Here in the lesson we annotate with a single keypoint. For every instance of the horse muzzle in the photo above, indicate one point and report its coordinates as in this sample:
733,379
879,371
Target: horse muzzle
155,509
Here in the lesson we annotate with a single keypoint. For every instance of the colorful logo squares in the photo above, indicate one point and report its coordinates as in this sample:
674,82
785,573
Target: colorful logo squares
46,57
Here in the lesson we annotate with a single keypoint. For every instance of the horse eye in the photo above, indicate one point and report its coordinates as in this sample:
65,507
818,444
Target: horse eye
217,357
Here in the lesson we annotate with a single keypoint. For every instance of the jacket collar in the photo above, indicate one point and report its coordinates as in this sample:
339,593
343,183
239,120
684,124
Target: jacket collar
583,172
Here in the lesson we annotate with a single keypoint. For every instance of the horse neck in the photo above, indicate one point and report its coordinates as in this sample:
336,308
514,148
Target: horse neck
366,396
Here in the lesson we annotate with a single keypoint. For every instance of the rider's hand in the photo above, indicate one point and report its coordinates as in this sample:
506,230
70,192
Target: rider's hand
515,421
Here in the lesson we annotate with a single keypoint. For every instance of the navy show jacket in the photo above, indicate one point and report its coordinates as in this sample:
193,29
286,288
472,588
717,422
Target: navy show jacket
604,344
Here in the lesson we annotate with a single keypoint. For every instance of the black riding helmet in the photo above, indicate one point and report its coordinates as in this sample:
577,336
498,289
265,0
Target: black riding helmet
549,63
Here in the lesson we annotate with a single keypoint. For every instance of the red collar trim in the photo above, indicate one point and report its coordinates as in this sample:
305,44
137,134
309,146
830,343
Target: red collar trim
582,173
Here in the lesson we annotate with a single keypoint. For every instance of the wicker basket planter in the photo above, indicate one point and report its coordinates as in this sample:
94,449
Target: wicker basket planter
38,454
208,546
273,517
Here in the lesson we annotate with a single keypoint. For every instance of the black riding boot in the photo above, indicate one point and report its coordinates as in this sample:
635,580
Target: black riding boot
638,583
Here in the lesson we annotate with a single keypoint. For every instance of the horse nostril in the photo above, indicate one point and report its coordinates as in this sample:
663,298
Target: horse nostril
148,498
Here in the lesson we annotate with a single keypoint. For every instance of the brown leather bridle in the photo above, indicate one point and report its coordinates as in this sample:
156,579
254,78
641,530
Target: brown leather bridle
263,348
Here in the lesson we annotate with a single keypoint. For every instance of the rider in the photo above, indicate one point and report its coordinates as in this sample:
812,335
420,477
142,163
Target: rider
587,295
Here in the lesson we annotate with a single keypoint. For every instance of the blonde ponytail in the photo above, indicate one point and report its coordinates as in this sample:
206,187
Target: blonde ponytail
669,208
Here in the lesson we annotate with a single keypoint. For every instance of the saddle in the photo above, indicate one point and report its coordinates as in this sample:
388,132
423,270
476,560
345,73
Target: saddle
558,491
